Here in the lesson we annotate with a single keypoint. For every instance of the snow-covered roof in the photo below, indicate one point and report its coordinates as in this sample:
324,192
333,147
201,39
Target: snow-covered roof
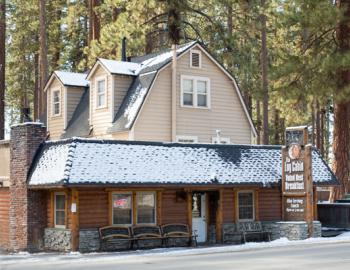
72,78
83,161
120,67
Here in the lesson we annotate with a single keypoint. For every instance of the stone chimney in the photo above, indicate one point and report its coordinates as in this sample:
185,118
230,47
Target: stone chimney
26,213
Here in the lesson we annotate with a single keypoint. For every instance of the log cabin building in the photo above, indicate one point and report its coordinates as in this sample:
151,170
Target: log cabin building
149,153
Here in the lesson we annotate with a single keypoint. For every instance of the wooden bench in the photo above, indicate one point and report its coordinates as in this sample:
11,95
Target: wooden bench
252,228
147,236
115,238
171,232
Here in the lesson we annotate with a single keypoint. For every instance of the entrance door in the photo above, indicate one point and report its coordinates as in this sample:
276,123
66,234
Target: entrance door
199,224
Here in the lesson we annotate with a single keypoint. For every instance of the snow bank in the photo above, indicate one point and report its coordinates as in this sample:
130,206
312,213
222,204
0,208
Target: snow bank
24,257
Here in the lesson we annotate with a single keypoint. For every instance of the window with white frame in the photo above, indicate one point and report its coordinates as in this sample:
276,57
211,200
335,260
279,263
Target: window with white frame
246,205
195,59
195,92
146,207
122,209
56,102
186,139
60,210
101,93
221,140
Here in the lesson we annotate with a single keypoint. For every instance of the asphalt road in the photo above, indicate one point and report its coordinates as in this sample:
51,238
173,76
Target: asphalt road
320,256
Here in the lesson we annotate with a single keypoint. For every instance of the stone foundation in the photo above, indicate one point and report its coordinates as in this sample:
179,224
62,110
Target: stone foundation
297,230
57,239
89,240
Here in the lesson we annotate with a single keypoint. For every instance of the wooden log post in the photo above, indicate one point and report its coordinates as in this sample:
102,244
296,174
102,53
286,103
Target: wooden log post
74,216
219,217
189,210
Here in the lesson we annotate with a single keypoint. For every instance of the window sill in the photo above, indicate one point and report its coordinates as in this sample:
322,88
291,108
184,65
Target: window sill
56,116
101,108
195,107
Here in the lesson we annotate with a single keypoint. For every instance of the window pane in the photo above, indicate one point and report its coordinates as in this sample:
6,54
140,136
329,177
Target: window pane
101,86
146,208
201,87
122,213
202,100
188,99
101,100
188,86
60,202
60,218
57,108
246,208
56,96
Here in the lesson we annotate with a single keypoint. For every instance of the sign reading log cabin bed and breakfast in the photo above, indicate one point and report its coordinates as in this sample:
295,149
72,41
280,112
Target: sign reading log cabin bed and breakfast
296,177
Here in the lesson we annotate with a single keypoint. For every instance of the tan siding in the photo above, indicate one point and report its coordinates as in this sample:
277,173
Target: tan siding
173,211
5,160
74,95
121,86
121,136
270,204
154,122
226,112
101,118
4,217
55,123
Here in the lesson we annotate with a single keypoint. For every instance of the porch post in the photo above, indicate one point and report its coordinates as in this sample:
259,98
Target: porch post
219,216
189,210
74,212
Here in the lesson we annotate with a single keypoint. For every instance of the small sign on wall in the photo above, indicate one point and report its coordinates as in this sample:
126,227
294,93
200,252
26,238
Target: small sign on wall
74,208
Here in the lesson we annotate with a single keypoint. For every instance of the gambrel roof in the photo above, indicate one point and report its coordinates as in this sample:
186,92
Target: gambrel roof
110,162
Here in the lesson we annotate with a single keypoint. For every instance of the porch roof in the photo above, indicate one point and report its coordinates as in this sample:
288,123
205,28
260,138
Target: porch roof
109,162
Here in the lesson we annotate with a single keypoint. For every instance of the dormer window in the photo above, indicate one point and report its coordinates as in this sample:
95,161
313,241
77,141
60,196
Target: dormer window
196,59
56,102
101,93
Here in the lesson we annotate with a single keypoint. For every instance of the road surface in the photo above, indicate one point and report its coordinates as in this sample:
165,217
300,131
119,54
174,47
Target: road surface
314,256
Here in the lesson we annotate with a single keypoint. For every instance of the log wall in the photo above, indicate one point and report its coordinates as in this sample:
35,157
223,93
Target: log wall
4,217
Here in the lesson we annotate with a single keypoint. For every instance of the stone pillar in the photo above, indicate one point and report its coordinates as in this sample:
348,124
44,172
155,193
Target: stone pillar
26,207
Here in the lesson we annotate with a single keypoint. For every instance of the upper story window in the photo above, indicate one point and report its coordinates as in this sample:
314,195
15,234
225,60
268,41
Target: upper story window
101,93
195,59
195,92
187,139
246,205
60,210
56,102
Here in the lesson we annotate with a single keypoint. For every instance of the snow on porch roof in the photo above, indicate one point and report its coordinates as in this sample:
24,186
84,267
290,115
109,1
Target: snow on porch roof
82,161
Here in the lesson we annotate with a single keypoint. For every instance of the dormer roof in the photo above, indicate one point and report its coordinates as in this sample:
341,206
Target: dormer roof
68,79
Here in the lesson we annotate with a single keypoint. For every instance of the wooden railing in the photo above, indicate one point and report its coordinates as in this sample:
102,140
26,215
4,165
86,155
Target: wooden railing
335,215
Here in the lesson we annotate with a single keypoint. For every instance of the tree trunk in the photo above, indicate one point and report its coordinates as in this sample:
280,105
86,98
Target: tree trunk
36,113
94,21
318,125
258,122
341,137
43,60
265,86
2,67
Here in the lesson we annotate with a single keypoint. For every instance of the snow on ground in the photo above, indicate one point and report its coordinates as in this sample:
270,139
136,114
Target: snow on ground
24,257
